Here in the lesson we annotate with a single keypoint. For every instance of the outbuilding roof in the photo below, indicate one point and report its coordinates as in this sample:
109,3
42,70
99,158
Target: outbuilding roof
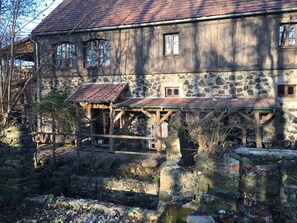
91,14
98,93
199,103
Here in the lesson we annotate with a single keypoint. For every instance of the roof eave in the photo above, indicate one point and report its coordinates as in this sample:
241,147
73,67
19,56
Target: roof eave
169,22
198,107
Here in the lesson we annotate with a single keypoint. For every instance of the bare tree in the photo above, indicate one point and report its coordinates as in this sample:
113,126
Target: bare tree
12,23
212,128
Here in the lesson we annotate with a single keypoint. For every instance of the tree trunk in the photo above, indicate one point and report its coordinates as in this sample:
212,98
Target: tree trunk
202,139
1,83
78,136
11,62
54,143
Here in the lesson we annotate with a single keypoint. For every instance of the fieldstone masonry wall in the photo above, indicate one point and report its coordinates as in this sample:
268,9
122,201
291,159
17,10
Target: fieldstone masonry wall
176,185
17,179
129,191
260,184
257,84
215,84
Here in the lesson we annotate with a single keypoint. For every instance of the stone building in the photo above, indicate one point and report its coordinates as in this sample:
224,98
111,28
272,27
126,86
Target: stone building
141,61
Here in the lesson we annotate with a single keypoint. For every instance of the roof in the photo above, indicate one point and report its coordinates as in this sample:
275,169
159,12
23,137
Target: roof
98,92
240,103
91,14
24,50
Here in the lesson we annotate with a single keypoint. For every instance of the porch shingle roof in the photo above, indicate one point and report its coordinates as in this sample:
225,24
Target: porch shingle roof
98,92
210,103
90,14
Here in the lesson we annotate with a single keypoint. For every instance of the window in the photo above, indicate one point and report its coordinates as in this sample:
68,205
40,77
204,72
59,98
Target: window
287,35
97,53
286,90
171,44
172,92
65,55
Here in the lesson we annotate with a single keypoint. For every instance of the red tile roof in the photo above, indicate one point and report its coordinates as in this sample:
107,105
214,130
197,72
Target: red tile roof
89,14
98,92
242,103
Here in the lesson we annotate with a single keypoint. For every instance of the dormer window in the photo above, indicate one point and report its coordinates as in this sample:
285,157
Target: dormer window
97,53
65,56
171,92
287,35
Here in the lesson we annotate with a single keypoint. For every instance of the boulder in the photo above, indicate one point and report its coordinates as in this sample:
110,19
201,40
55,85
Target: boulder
200,219
149,163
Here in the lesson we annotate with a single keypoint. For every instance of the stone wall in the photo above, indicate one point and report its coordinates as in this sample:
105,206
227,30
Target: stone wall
126,191
17,178
176,185
281,132
259,185
217,182
214,84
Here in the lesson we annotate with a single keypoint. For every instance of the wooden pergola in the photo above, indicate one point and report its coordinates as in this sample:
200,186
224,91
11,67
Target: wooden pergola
109,97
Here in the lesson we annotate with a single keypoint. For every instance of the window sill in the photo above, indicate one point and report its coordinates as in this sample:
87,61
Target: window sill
65,68
98,68
292,47
172,56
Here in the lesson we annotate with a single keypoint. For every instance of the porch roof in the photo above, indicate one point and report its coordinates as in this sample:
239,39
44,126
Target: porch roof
98,92
206,103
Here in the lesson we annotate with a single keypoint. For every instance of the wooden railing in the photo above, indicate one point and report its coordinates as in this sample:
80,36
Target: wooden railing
22,73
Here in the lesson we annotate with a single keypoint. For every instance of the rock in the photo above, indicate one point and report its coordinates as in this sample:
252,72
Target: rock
149,163
108,162
164,196
201,157
246,163
200,219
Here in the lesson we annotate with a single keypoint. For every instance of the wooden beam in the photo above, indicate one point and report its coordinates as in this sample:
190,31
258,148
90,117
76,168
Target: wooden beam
151,116
127,123
99,135
96,106
146,109
89,114
111,127
266,118
166,116
118,116
159,131
258,130
247,117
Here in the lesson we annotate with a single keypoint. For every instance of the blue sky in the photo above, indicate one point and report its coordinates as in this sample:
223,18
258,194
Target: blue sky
49,5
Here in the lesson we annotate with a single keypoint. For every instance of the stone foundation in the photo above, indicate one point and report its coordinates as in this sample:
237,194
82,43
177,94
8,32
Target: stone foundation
281,132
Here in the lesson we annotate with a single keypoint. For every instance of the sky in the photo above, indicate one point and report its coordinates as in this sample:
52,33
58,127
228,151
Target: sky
49,5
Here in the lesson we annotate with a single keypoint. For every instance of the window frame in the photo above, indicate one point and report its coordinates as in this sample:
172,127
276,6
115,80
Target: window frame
173,90
284,36
283,90
65,55
100,54
171,50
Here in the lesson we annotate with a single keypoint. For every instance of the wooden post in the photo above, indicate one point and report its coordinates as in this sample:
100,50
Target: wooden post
159,131
244,137
54,142
257,130
111,127
104,121
90,118
78,137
